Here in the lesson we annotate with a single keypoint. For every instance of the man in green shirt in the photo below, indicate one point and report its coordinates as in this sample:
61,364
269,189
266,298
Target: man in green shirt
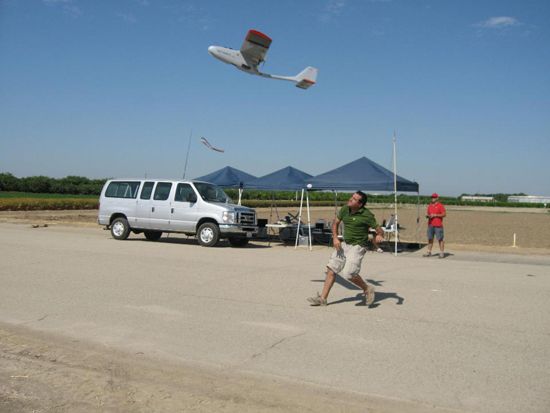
348,254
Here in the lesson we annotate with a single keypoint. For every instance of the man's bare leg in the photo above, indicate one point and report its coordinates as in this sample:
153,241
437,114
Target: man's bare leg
329,282
430,246
358,281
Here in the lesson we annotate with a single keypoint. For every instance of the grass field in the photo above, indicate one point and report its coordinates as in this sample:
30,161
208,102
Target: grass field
31,195
25,201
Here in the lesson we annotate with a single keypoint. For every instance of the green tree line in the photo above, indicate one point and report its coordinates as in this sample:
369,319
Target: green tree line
74,185
79,185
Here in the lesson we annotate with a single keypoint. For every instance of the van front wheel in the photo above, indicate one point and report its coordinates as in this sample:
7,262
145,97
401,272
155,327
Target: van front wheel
120,229
208,234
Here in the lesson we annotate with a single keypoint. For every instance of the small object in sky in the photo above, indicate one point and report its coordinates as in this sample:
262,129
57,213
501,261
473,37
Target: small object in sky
209,146
252,53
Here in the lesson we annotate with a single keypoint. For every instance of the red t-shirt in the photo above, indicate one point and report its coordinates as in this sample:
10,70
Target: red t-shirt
436,208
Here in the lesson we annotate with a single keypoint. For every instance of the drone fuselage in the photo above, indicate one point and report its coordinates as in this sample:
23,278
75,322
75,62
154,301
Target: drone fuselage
232,57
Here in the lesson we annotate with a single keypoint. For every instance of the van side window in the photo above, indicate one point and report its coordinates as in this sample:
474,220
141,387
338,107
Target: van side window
147,190
184,193
122,189
162,191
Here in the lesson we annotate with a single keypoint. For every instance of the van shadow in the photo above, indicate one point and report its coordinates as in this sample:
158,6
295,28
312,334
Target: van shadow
378,297
193,241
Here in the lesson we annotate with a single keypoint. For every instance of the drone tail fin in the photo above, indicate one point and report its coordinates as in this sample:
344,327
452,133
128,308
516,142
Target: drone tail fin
306,77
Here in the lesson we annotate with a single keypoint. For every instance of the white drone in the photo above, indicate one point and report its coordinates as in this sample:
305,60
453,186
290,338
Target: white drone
252,53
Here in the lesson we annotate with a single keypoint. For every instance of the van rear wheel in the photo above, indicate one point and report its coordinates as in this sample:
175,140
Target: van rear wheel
152,235
208,234
120,229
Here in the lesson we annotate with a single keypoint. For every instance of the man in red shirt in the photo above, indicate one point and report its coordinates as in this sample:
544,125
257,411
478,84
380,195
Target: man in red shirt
435,214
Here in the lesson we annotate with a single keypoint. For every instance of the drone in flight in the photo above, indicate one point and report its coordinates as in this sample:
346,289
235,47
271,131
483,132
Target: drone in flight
252,53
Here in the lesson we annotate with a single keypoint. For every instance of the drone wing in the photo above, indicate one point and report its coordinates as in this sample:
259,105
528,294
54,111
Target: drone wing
255,48
209,146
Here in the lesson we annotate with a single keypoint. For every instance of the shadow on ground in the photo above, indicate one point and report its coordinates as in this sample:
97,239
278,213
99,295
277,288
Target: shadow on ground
378,298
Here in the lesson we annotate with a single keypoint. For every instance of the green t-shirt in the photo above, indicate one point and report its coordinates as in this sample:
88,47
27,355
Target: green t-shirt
356,226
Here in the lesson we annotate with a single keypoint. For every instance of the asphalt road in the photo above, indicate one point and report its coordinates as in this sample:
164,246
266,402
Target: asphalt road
470,332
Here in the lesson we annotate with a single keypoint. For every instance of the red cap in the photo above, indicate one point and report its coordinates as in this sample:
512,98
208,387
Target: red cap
434,195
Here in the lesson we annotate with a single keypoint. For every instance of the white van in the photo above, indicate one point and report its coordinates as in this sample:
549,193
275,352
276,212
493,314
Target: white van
154,206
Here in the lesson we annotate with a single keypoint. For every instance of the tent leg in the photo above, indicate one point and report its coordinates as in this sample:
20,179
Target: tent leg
308,222
299,219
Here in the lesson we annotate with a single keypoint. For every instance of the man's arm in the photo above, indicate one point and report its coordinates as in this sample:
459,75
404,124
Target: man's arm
335,240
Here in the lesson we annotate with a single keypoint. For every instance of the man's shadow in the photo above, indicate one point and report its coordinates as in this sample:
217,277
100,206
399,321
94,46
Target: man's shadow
378,297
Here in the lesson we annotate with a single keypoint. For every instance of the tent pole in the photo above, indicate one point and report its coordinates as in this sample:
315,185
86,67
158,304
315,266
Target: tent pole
395,193
417,215
299,220
308,222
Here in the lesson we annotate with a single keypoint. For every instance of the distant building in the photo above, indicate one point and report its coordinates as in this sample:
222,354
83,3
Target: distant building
530,199
477,198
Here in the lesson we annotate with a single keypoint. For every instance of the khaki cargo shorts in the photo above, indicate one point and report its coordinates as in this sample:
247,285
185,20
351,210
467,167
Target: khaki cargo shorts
347,261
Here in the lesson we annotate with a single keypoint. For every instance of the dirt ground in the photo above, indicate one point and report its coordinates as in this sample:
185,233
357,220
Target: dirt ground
44,373
477,228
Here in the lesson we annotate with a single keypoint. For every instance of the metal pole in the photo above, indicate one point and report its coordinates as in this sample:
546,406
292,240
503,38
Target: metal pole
395,192
299,219
187,156
308,222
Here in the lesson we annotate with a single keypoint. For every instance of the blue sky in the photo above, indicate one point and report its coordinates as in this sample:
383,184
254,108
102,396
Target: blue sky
114,88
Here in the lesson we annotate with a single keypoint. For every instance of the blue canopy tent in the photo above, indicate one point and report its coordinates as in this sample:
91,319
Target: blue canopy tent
228,177
289,178
361,174
364,174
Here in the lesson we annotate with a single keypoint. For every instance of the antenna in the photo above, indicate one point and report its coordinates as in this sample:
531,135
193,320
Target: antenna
187,156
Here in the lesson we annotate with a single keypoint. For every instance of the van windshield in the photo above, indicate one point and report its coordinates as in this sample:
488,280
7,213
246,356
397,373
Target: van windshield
211,193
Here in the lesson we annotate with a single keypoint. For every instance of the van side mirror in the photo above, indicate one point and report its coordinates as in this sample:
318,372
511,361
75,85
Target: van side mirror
191,197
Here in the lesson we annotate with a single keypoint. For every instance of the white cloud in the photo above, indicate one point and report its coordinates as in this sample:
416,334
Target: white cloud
332,9
335,6
68,7
498,22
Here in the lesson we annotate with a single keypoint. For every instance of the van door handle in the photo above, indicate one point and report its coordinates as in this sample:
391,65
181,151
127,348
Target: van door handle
172,210
152,209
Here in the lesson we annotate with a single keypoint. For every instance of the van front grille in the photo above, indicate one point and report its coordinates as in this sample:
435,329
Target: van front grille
247,218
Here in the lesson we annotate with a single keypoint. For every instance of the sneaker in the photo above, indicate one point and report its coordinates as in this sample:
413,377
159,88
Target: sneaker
428,254
368,298
317,301
441,255
379,250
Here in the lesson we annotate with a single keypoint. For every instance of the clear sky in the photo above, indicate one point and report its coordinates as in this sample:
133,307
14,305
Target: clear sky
114,88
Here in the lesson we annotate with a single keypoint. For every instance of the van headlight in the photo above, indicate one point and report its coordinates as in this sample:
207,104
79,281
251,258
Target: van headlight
228,217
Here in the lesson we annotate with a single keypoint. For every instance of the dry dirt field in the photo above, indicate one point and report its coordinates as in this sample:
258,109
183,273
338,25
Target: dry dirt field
477,228
43,372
